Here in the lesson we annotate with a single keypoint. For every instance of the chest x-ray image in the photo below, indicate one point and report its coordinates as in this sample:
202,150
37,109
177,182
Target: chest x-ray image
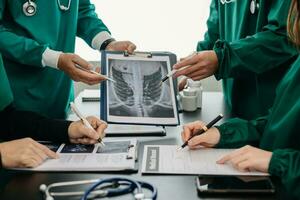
138,91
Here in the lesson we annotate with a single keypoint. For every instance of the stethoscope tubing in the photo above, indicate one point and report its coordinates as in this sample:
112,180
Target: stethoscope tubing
96,191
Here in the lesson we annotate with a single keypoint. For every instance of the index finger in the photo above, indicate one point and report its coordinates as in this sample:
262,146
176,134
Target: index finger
191,60
46,150
81,62
231,155
131,48
100,130
191,128
88,77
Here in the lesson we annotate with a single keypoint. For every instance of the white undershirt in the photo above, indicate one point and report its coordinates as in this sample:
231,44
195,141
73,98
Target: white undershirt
50,57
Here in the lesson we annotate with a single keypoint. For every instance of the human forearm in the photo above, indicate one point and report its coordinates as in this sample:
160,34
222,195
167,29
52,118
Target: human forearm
20,124
90,27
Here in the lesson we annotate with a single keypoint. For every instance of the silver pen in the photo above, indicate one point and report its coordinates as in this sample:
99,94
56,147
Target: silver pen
93,72
84,120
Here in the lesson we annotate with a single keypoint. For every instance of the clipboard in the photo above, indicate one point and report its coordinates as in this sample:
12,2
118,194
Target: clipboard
119,155
118,100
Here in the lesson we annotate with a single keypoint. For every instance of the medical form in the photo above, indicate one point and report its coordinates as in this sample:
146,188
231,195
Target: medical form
167,159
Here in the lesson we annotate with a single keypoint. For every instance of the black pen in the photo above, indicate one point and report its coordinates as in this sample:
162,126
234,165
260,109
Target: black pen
202,130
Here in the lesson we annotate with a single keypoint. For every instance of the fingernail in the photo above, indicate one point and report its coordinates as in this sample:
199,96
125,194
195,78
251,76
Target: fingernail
219,162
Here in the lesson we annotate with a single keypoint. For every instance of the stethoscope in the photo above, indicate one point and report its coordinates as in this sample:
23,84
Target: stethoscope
30,7
108,187
254,5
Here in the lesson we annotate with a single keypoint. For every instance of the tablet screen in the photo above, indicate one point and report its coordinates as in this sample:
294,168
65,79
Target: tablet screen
229,184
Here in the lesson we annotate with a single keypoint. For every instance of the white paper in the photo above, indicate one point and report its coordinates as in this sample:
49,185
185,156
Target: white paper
90,95
86,157
137,96
167,159
132,129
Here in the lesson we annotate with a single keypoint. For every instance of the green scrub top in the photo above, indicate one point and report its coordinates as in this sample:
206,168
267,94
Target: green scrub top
6,96
253,52
24,39
277,132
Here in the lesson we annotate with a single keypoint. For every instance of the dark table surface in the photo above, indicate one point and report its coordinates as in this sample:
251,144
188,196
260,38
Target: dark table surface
24,185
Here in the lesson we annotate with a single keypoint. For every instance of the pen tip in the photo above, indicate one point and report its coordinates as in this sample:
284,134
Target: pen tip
180,148
164,79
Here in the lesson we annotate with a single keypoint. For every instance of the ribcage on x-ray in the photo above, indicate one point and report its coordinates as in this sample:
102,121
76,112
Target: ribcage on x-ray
122,89
137,91
151,87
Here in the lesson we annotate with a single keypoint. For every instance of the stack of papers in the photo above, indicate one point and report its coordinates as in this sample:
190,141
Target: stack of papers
91,95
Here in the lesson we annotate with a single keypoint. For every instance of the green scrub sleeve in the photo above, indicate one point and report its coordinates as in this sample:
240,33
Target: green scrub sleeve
285,164
89,25
260,52
236,133
212,34
15,47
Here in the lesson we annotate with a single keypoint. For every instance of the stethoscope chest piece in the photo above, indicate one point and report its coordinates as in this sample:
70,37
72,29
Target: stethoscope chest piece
254,6
29,8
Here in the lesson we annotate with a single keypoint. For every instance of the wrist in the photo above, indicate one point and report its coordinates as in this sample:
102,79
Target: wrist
99,39
70,130
50,58
1,165
106,43
216,135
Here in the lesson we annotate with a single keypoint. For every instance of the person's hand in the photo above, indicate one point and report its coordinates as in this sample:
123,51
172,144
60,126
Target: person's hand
67,62
24,153
248,158
80,134
121,46
208,139
182,83
198,66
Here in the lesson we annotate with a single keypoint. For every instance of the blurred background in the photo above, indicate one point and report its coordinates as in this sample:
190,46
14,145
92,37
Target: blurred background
156,25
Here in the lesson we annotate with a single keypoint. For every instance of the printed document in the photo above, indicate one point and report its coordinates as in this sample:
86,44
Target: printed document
167,159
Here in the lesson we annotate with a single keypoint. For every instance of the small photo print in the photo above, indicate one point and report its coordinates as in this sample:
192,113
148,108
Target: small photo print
77,148
53,147
114,147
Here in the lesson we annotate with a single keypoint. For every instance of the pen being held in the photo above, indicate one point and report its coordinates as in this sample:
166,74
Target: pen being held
195,129
93,126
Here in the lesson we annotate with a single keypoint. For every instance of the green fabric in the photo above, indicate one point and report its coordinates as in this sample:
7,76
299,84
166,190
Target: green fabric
277,132
24,39
253,52
5,92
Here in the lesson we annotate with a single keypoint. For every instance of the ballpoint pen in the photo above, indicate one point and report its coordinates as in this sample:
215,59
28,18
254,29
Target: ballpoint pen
202,130
93,72
84,120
